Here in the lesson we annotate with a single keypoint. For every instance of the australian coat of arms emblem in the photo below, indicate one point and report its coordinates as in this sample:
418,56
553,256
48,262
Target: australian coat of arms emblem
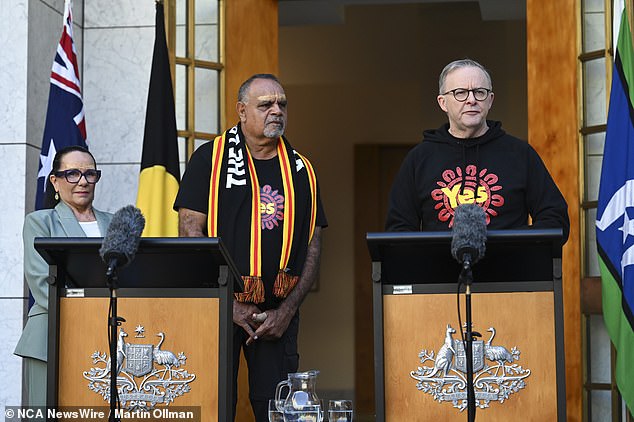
146,373
496,375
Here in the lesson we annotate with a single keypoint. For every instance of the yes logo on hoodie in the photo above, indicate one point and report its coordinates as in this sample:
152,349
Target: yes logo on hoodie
472,186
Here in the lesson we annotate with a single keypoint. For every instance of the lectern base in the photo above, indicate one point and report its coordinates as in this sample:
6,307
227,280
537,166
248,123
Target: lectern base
416,325
170,354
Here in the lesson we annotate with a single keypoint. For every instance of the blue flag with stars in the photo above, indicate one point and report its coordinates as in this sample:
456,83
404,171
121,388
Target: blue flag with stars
65,124
615,213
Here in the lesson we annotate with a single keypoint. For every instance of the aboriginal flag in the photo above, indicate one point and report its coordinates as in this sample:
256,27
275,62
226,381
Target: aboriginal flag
160,172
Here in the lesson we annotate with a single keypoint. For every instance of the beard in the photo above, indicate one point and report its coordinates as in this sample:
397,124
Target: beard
274,131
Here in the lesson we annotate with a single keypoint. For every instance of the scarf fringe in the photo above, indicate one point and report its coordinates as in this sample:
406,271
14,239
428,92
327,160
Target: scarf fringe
253,290
284,283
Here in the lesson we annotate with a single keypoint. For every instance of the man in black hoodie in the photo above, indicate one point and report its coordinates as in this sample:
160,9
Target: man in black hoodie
471,159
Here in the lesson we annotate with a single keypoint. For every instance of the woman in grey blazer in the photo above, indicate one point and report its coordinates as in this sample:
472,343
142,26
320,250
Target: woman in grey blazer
70,190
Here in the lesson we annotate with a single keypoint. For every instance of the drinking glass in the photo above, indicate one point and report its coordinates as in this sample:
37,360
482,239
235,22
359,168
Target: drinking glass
274,414
340,411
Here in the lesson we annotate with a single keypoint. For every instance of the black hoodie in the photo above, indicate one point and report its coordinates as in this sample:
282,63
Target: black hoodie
512,182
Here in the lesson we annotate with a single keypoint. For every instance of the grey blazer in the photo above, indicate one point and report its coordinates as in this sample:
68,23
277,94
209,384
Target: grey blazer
57,222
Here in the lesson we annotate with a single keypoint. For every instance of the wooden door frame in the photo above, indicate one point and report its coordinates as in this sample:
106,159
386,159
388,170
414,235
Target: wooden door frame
553,130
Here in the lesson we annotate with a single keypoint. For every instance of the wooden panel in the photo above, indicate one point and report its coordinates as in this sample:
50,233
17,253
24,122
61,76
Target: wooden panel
553,119
522,320
251,46
190,326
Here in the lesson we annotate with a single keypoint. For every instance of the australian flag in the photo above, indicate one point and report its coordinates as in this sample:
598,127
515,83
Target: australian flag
65,124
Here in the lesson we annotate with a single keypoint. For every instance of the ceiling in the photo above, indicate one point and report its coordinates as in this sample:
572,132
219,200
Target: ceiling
331,12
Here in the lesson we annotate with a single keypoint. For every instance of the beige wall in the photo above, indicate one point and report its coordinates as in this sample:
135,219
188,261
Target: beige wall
374,80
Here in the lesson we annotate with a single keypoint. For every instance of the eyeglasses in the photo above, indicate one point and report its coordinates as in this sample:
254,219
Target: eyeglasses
74,175
461,94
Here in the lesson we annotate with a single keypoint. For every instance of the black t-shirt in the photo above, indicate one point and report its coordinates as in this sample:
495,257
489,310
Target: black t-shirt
193,194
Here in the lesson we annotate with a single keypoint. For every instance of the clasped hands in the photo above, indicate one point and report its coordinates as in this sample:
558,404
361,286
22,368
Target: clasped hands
268,325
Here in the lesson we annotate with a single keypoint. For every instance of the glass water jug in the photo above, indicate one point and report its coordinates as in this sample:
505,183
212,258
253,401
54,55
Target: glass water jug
301,402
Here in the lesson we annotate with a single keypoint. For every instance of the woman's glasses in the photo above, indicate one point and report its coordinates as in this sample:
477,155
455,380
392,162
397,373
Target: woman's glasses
92,176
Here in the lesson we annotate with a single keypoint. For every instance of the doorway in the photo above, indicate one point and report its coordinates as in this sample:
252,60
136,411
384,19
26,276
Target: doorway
375,167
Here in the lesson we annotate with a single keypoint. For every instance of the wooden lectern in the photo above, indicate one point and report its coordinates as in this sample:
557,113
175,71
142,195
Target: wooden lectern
420,369
175,346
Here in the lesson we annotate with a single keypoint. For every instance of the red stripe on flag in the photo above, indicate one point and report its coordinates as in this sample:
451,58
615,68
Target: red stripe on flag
64,81
67,45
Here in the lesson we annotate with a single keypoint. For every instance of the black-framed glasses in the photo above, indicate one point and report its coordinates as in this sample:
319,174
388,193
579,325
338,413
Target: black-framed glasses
461,94
92,176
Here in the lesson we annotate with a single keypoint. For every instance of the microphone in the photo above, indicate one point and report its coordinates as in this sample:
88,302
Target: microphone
469,234
122,238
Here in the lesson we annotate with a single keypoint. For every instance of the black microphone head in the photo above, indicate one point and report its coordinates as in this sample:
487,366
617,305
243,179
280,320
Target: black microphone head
123,236
469,233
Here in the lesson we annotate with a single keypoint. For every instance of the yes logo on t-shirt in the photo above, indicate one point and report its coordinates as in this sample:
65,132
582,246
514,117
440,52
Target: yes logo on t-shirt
271,207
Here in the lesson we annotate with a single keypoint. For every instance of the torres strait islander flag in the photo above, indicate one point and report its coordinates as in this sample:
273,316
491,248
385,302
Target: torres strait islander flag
65,124
160,171
615,213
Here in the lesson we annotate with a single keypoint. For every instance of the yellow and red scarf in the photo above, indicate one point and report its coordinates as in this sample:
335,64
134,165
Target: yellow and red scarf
234,184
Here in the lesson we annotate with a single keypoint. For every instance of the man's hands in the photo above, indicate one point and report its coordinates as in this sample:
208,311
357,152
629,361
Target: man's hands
268,325
275,324
251,319
243,316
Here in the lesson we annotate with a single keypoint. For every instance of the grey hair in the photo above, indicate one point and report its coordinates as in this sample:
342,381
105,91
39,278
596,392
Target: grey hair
458,64
244,88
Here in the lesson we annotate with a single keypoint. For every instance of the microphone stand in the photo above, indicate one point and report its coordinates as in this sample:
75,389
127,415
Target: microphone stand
113,322
466,277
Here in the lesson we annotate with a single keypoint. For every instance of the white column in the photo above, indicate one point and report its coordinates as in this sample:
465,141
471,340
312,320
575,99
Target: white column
13,117
119,38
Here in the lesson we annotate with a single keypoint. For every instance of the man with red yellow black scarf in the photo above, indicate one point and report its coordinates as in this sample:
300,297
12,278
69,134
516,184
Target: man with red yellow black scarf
252,189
